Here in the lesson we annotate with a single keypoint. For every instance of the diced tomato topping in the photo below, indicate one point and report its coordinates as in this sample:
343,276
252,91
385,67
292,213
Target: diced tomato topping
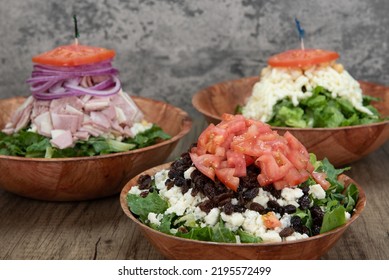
320,178
227,177
206,164
237,161
227,149
270,220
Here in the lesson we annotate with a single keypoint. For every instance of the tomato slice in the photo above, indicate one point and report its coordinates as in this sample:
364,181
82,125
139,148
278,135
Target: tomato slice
73,55
226,176
302,58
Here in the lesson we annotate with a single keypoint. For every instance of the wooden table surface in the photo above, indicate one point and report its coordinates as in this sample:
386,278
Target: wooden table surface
98,229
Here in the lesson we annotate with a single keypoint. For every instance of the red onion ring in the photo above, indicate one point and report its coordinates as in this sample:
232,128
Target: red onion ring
51,82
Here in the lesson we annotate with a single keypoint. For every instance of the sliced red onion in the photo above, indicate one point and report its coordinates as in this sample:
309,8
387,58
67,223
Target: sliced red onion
51,82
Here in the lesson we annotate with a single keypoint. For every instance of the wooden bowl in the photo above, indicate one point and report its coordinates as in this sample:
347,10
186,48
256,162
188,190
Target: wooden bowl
83,178
180,248
341,145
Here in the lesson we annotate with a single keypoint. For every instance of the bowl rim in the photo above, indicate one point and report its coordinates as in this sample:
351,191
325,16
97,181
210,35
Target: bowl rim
360,206
197,96
186,127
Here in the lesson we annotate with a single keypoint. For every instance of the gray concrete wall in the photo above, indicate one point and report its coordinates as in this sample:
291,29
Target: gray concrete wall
169,49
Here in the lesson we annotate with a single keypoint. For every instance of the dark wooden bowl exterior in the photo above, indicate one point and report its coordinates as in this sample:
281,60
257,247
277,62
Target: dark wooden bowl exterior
340,145
179,248
85,178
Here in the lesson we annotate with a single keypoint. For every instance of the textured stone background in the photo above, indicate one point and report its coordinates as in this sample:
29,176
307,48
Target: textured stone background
169,49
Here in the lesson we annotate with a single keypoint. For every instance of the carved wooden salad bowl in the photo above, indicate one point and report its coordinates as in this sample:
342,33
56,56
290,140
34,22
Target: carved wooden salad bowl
341,145
173,247
83,178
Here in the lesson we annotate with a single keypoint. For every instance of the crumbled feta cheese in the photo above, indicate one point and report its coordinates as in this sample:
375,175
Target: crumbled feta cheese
317,191
291,194
271,236
233,221
348,216
253,222
155,218
160,179
135,190
199,214
234,201
212,217
296,236
263,197
188,172
285,222
180,203
279,83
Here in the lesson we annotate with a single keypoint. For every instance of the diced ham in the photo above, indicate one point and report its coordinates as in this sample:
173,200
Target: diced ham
8,129
120,116
110,112
73,118
59,105
116,126
66,122
39,107
91,130
24,119
61,138
69,109
85,98
44,124
97,104
127,132
82,135
100,120
21,118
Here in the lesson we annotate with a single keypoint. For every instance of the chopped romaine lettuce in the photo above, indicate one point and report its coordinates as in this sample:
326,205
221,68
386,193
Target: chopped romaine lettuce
321,110
30,144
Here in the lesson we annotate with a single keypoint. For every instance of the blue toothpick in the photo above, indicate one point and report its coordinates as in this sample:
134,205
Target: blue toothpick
301,32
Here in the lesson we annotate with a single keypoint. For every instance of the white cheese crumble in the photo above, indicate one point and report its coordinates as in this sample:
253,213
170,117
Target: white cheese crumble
212,217
135,190
188,172
279,83
291,195
233,221
155,218
296,236
317,191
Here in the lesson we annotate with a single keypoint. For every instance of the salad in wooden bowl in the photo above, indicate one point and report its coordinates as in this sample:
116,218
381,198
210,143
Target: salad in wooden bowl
79,135
243,192
308,93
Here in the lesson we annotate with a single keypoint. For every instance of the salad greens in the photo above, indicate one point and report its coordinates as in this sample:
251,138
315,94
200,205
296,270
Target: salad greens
335,205
30,144
321,110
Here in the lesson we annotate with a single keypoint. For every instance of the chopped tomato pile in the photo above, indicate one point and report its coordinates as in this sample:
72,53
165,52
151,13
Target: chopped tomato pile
225,150
302,58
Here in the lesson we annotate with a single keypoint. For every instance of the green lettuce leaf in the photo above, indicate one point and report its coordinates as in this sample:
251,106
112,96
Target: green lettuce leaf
142,206
333,218
246,237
